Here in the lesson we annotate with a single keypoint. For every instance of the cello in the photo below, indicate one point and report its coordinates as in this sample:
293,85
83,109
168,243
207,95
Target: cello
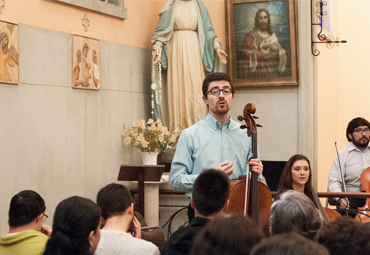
363,214
251,197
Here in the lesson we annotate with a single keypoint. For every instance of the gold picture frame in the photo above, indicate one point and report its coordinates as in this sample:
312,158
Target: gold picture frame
261,54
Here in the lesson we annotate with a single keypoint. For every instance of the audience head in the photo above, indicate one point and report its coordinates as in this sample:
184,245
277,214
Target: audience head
286,179
353,124
345,236
216,77
210,192
288,244
26,207
76,228
227,235
295,212
113,200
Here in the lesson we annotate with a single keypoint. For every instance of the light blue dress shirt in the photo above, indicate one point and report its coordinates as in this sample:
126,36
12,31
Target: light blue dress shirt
206,144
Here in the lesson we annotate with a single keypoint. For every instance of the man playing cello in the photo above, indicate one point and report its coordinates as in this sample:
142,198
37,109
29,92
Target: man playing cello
354,159
214,142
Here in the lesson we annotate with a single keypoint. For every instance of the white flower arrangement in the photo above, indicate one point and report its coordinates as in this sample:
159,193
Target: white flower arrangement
149,137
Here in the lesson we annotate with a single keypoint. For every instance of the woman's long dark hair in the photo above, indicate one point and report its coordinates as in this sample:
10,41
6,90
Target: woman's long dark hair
74,219
286,181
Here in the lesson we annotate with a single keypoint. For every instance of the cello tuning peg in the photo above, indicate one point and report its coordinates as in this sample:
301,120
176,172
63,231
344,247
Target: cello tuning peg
240,118
258,125
243,127
255,117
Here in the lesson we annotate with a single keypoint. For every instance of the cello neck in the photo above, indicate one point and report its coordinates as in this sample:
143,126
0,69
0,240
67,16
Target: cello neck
254,212
250,109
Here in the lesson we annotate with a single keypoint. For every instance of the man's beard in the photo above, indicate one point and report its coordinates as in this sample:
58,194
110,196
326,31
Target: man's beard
361,143
263,26
222,110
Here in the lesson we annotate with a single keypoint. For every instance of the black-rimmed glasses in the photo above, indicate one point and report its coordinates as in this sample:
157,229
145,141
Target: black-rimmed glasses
360,130
216,91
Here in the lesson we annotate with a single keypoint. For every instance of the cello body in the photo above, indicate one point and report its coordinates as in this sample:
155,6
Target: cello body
237,201
332,214
364,216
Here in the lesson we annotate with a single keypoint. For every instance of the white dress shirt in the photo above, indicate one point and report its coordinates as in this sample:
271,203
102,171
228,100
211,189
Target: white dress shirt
354,162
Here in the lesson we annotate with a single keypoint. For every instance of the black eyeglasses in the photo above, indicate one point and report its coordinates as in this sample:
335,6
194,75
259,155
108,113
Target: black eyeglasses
216,91
44,217
360,130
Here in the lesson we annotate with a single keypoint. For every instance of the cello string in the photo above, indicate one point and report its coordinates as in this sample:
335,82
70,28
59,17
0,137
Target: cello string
246,190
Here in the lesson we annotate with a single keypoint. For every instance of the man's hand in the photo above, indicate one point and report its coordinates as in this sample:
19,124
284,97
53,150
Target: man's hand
343,204
136,228
222,56
226,167
47,230
256,165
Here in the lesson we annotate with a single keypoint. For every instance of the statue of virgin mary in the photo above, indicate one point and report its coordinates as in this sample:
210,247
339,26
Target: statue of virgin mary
188,51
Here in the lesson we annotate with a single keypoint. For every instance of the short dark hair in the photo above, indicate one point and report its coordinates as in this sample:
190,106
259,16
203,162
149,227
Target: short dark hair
345,236
295,212
113,200
74,219
355,123
210,191
25,207
216,77
232,234
286,180
288,244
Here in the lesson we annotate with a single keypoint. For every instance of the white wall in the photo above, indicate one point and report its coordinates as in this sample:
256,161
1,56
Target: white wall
343,81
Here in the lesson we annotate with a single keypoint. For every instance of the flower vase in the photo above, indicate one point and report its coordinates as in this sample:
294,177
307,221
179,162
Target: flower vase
150,158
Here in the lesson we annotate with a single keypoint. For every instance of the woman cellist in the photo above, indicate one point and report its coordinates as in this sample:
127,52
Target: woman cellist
297,175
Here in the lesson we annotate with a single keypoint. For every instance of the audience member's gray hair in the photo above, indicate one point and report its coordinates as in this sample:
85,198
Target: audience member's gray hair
295,212
289,244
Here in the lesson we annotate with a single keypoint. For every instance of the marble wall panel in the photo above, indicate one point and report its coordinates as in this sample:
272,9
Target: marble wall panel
42,144
44,57
127,68
104,146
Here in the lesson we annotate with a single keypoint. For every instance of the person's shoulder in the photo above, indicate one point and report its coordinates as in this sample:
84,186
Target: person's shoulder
146,247
235,127
194,128
32,233
347,149
28,241
120,238
179,242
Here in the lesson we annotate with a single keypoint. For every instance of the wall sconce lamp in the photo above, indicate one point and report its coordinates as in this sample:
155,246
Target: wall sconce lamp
329,40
